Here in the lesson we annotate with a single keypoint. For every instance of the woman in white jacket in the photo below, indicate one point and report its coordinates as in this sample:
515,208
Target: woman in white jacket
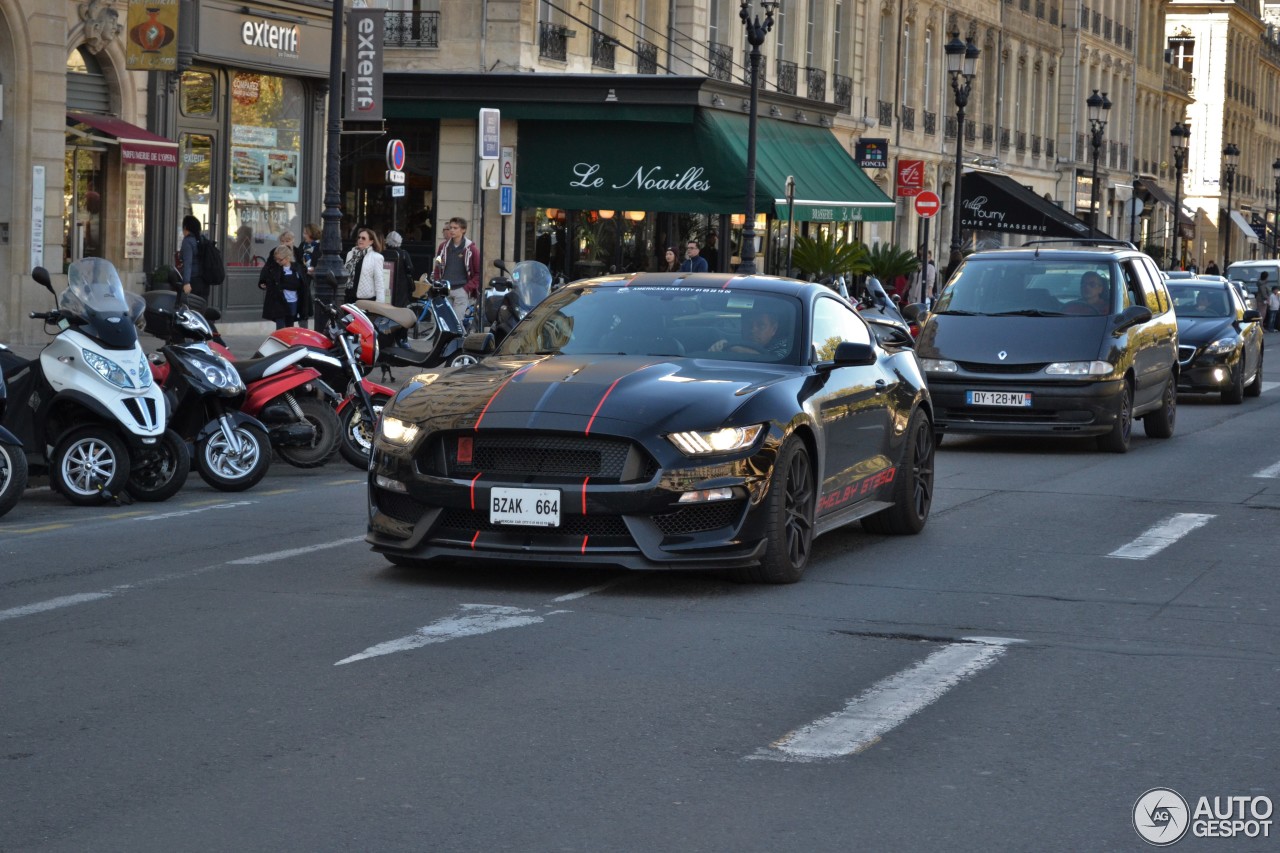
367,279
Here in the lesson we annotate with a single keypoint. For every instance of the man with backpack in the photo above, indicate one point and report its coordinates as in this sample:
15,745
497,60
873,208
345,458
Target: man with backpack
189,259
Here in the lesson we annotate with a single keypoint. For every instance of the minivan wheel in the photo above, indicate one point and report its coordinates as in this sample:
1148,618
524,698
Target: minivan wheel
1159,424
1117,441
1233,394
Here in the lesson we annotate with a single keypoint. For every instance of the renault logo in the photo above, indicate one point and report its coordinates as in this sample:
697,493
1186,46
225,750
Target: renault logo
1002,355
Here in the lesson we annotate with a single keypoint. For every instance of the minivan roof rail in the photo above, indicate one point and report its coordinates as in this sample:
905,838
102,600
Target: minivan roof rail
1081,241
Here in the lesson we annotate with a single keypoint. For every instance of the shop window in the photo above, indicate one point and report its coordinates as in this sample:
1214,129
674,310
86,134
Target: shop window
197,93
267,122
85,188
195,177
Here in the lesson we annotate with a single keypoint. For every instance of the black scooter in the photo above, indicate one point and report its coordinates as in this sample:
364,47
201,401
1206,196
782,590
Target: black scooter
450,344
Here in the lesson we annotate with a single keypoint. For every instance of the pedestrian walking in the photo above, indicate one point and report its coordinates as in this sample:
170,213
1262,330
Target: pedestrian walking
402,275
364,268
1273,310
693,260
457,261
281,283
310,247
189,259
1212,268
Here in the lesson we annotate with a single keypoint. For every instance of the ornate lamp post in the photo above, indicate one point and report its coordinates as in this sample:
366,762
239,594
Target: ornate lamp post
962,62
1099,106
1275,223
756,31
330,272
1231,159
1179,138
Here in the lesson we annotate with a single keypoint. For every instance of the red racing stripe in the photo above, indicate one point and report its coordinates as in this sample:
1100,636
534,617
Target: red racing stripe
499,391
587,431
584,544
473,491
473,540
584,496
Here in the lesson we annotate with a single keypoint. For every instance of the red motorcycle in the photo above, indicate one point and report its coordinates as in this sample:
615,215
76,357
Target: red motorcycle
349,341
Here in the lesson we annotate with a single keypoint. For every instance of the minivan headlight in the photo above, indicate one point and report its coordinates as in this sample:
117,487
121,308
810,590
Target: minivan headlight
1078,368
938,365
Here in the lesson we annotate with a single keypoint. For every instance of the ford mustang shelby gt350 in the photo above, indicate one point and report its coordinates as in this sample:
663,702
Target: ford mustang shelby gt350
660,421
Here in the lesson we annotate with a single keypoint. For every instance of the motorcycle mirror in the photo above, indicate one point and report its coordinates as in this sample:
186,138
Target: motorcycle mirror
500,264
41,275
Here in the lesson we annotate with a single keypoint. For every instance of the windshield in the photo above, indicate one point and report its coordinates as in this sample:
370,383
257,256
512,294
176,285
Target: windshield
1032,287
1251,274
96,301
532,282
1200,300
674,321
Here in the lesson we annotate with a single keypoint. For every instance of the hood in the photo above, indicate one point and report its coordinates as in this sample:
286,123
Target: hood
584,393
1197,331
1024,340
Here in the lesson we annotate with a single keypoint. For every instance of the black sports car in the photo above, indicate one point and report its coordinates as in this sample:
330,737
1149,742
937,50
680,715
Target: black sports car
660,421
1219,339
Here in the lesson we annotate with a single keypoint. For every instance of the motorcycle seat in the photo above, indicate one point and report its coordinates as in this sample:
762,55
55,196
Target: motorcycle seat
402,316
253,369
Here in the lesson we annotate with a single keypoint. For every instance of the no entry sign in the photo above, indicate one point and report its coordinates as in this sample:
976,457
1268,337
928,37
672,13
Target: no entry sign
927,203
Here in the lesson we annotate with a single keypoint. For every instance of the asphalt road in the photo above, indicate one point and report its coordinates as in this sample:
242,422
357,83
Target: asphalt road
239,672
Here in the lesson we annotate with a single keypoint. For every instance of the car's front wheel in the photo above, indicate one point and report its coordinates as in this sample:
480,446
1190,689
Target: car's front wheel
790,505
1117,441
1254,388
1233,394
913,485
1159,424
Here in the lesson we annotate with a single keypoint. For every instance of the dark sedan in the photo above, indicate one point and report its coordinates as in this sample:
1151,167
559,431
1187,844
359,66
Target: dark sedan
1220,339
660,421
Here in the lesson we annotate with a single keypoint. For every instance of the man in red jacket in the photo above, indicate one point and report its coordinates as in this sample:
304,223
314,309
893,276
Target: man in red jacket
457,261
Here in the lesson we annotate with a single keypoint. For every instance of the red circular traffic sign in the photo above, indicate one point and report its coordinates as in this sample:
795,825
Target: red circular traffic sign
927,203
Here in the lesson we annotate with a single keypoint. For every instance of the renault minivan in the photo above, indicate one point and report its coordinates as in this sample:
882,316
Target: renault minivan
1055,338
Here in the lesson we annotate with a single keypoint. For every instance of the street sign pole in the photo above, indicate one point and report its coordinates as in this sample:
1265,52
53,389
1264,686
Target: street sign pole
489,140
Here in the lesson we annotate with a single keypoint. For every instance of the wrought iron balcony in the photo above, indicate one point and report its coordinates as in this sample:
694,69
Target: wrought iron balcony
1004,139
930,123
949,127
817,80
646,57
908,118
412,29
970,131
1020,141
886,114
786,76
842,87
720,61
552,41
988,135
1048,148
1035,145
603,50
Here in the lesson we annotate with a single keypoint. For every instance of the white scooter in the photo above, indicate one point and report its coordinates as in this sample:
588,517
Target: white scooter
87,410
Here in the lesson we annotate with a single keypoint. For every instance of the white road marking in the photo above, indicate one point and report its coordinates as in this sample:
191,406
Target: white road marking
475,619
582,593
52,604
887,703
1270,472
1267,386
1161,536
292,552
182,512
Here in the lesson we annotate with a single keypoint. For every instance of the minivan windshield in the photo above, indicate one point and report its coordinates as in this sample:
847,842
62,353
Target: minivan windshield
1249,274
1031,288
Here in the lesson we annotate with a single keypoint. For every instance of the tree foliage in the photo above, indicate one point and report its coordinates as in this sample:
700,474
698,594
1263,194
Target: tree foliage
886,262
824,255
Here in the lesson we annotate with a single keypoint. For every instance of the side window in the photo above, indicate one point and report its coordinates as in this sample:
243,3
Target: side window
1153,276
834,324
1141,290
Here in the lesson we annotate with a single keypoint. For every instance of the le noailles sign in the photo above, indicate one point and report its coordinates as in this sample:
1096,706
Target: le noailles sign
652,178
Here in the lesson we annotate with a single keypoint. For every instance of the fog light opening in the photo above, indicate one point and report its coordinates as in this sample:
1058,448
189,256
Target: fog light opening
706,495
1219,374
391,485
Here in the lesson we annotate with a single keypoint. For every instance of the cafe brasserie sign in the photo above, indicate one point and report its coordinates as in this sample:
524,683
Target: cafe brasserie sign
587,176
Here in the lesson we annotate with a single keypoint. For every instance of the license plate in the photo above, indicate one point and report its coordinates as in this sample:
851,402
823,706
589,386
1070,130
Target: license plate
998,398
527,507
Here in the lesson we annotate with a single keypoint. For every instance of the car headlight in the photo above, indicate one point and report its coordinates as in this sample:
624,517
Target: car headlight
1222,346
110,371
1079,368
938,365
397,431
723,440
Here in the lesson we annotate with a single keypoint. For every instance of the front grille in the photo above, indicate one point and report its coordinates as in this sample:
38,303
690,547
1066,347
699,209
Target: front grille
467,522
983,367
699,517
143,410
399,506
1185,354
1022,416
547,456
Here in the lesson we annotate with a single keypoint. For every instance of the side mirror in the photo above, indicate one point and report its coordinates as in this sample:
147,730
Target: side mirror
501,264
1133,316
914,312
1251,316
41,276
852,354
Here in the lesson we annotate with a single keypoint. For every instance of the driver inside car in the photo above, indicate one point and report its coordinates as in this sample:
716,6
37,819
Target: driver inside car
760,335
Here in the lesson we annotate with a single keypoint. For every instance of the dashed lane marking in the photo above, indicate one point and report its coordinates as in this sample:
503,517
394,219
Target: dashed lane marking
1161,536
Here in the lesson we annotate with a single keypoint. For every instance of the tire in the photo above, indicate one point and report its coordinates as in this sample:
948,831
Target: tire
228,472
357,433
937,439
1160,423
1254,388
463,358
159,470
912,487
325,420
13,475
790,508
89,466
1234,394
1117,441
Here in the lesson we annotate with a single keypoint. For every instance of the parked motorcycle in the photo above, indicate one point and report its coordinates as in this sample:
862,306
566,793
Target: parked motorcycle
512,295
232,449
87,411
449,344
13,459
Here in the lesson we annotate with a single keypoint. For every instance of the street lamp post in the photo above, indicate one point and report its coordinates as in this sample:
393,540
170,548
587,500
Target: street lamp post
1231,157
962,61
756,31
330,272
1179,138
1098,105
1275,223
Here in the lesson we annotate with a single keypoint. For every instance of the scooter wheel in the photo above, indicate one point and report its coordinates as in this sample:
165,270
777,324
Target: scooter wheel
320,415
462,359
159,471
228,471
89,466
13,475
357,431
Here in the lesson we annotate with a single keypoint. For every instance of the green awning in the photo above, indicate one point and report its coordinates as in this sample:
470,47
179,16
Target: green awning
697,168
830,186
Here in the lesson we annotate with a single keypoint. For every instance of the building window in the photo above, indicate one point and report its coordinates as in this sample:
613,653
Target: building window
197,93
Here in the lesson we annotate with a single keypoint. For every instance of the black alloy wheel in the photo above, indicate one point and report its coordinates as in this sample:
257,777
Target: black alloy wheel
790,503
913,485
1117,440
1254,388
1160,423
159,470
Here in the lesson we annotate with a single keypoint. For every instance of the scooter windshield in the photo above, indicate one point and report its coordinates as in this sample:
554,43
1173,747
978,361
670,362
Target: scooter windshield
98,305
532,284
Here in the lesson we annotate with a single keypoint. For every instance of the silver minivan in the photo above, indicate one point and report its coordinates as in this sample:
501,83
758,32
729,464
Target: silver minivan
1249,273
